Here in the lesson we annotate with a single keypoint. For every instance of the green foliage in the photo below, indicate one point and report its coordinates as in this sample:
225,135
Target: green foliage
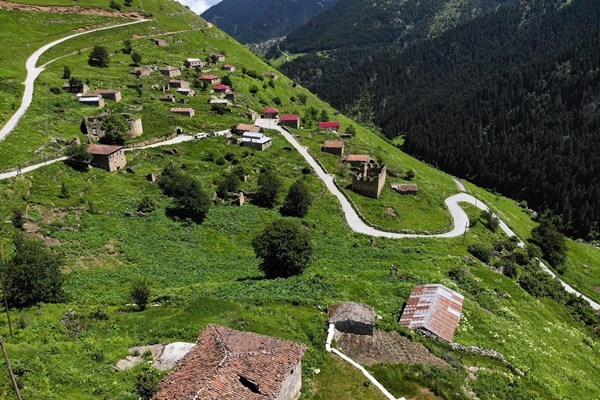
76,84
226,80
551,242
66,72
351,130
409,175
228,183
190,199
490,220
128,3
114,5
33,274
146,205
64,191
99,57
136,58
284,247
481,252
269,186
140,291
146,382
127,46
276,101
297,201
17,218
220,109
253,89
55,90
78,155
115,129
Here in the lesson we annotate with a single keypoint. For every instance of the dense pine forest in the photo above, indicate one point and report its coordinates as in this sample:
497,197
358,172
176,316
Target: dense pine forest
509,100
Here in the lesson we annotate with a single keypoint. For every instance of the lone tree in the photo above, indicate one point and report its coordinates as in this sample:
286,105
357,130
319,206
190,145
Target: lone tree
115,129
66,72
228,183
127,47
269,186
78,155
297,201
33,274
140,291
99,57
284,247
136,58
551,242
190,199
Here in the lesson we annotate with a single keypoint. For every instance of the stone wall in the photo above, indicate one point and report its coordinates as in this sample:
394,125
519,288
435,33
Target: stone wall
290,389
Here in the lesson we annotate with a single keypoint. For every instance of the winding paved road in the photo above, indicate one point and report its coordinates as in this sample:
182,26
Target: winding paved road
33,72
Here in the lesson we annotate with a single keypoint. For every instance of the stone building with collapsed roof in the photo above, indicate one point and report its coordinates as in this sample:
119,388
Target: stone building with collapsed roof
433,308
229,364
368,178
351,317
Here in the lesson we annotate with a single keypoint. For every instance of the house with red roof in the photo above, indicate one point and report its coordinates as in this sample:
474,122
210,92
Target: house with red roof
229,364
335,147
270,113
221,88
229,67
331,125
212,79
291,120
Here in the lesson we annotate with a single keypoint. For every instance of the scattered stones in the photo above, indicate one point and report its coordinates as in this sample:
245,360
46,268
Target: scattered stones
164,355
72,323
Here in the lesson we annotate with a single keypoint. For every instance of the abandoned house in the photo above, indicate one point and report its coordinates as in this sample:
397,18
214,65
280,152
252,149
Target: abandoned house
84,88
256,141
291,120
188,112
357,160
186,92
229,364
368,178
141,72
178,84
110,158
216,57
93,126
351,317
95,101
405,188
169,71
434,308
271,75
230,95
160,42
335,147
229,67
109,94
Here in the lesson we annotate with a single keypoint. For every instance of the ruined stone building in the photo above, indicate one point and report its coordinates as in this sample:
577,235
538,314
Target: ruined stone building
228,364
368,178
110,158
351,317
93,126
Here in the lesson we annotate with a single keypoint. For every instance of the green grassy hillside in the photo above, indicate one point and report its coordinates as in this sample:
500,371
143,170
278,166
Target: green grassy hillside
207,273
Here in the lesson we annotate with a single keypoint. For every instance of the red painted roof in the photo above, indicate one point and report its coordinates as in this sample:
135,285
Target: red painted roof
270,110
228,66
103,149
336,144
435,308
358,157
215,368
329,125
221,87
209,77
289,117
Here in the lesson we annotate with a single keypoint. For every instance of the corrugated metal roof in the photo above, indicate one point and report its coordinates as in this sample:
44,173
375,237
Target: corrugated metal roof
435,308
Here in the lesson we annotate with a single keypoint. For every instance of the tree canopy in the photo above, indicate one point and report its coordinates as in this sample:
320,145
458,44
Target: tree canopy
284,247
269,186
297,201
115,129
191,200
551,242
99,57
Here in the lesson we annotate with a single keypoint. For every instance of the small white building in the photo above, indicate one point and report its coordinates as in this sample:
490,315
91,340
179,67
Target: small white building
194,63
256,141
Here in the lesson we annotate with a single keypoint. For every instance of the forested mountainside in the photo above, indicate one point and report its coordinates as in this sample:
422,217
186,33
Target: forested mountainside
253,21
506,101
362,23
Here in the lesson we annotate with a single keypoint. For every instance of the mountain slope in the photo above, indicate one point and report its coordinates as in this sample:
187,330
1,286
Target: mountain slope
253,21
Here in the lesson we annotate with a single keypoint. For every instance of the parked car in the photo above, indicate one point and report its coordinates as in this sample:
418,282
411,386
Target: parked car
200,135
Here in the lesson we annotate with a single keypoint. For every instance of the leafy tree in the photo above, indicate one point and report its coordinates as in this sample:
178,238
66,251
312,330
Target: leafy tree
128,3
227,81
191,200
297,201
219,108
302,98
140,291
136,58
551,242
253,89
481,252
324,116
146,205
351,130
78,154
277,100
66,72
99,57
410,175
33,274
127,46
229,182
64,191
490,220
17,218
284,247
115,129
76,84
146,381
272,83
269,186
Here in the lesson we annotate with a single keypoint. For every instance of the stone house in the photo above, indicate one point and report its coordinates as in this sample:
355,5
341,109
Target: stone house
93,126
110,158
230,95
169,71
433,308
351,317
178,84
216,57
169,97
405,188
270,113
271,75
291,120
109,94
84,89
229,67
357,160
256,141
160,42
211,79
229,364
240,129
335,147
186,92
141,72
194,63
95,101
188,112
368,179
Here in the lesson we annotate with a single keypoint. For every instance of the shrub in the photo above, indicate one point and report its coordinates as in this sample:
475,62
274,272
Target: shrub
115,129
17,218
99,56
297,201
66,72
146,382
551,242
64,191
114,5
228,183
127,47
284,247
269,186
55,90
136,58
146,205
481,252
253,89
140,291
191,200
490,220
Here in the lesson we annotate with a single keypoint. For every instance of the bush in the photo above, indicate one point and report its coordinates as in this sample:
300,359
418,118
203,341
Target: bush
269,186
191,200
17,218
481,252
253,89
146,205
136,58
99,56
551,242
297,201
127,46
140,291
284,247
490,220
146,382
66,72
228,183
33,275
55,90
114,5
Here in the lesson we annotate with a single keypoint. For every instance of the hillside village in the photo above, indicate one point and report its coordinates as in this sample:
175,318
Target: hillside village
108,166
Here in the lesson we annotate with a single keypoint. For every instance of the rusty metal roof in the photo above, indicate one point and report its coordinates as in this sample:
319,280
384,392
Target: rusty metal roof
434,308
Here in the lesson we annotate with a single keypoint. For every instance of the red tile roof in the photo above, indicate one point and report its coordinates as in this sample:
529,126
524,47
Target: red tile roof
103,149
214,369
358,158
209,77
221,87
289,117
270,110
434,308
329,125
333,144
